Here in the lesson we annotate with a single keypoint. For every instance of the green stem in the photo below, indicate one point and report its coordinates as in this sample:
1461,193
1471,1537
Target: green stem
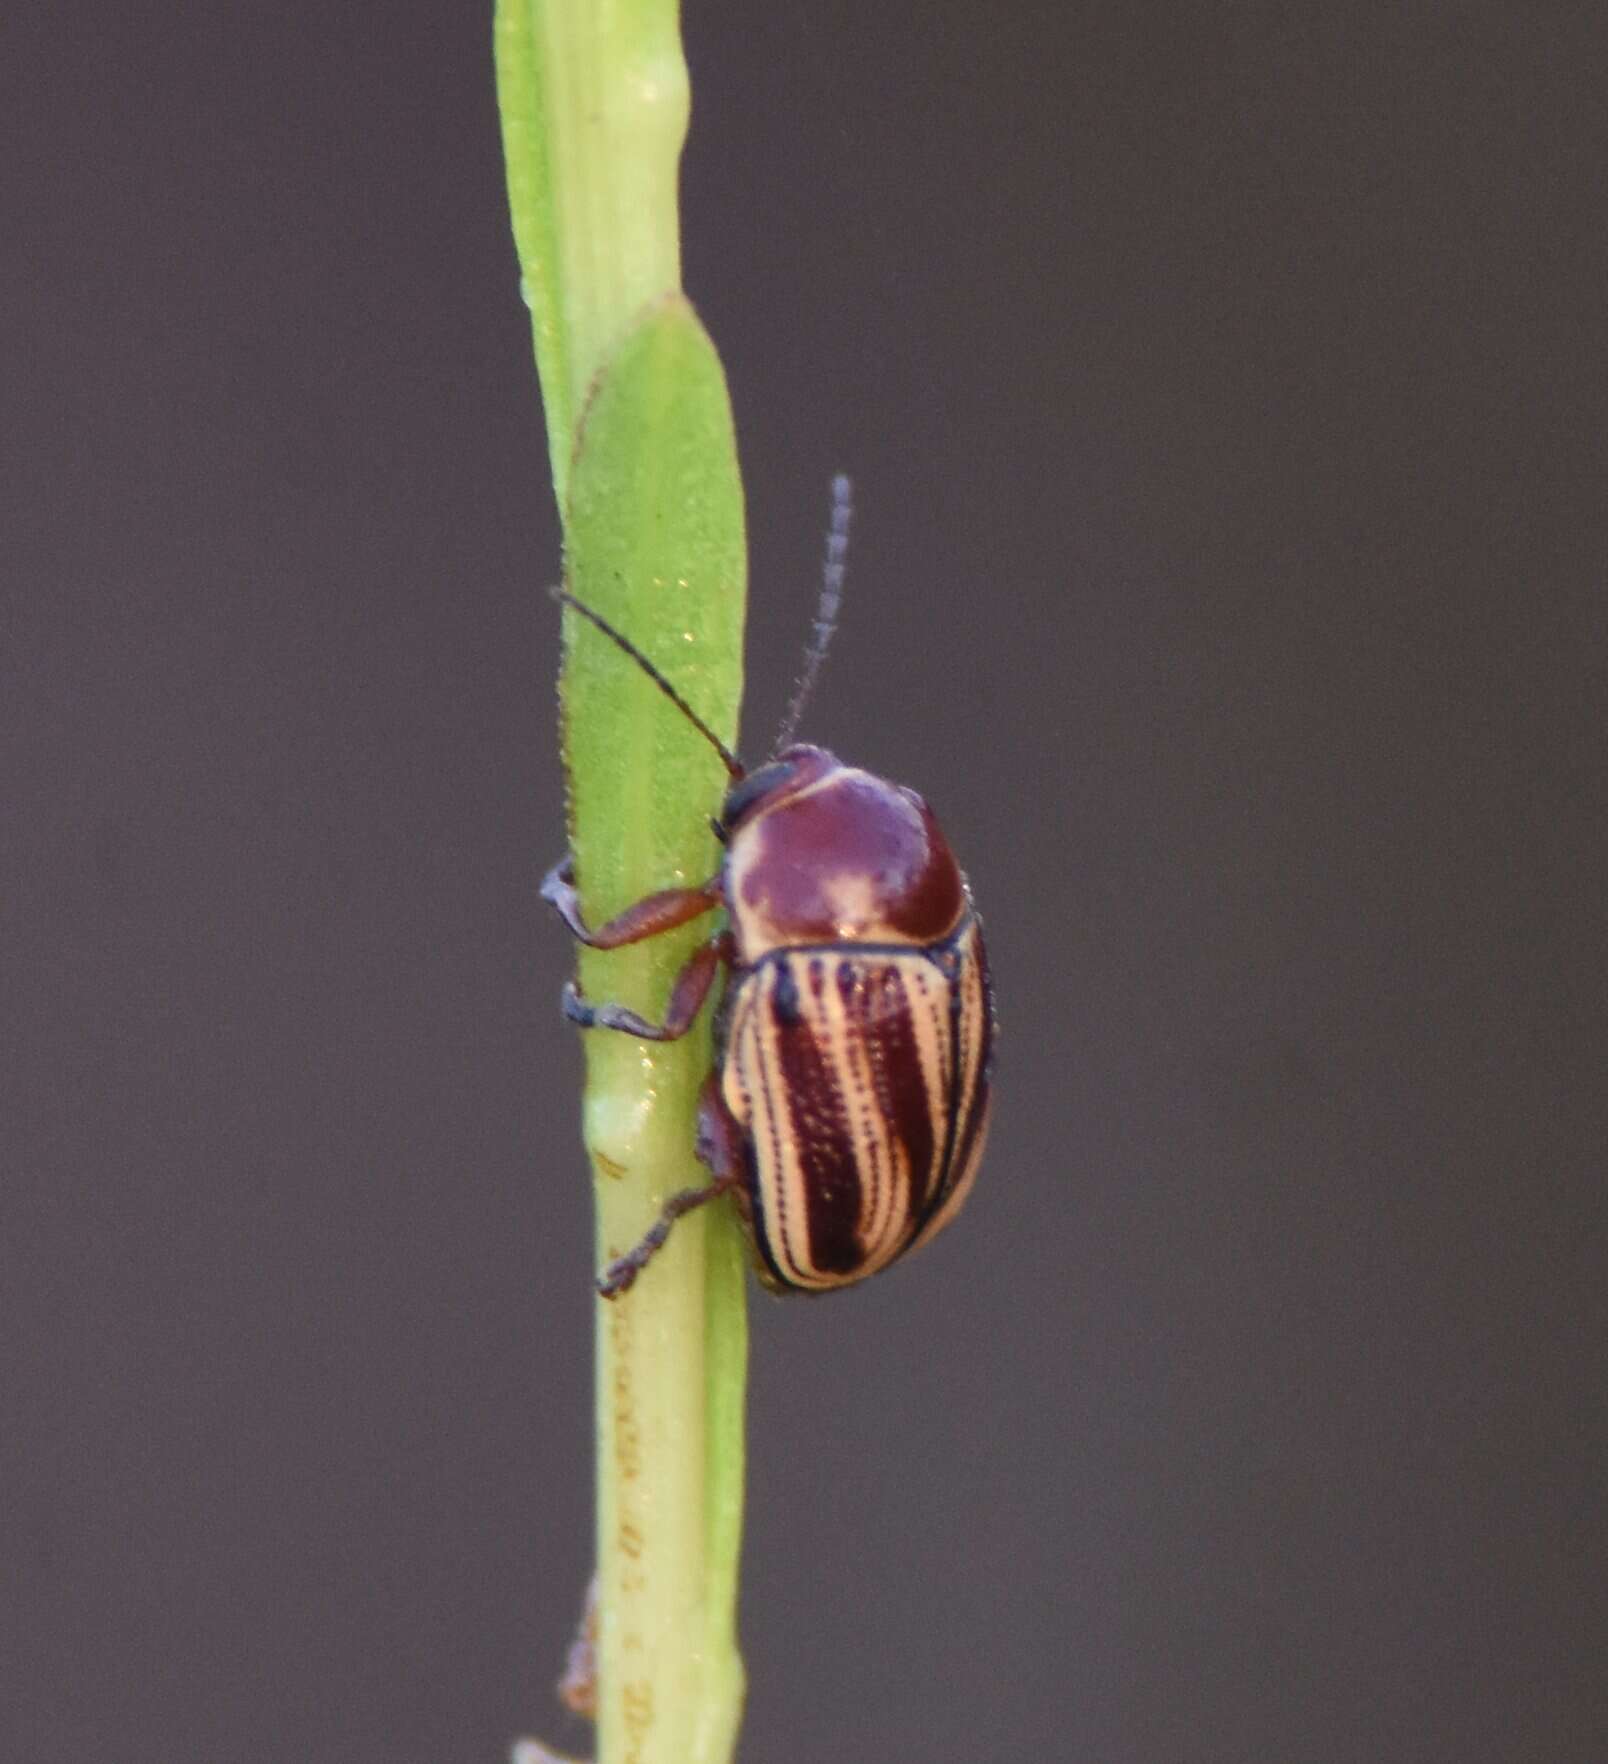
594,103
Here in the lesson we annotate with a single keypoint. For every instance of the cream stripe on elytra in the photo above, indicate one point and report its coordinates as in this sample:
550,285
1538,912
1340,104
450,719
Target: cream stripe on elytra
791,1187
746,1072
931,1021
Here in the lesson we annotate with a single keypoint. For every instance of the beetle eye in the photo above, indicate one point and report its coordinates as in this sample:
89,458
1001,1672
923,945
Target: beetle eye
747,791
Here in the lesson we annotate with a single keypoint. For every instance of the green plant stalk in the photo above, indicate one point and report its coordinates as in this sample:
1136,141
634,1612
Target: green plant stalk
594,101
593,98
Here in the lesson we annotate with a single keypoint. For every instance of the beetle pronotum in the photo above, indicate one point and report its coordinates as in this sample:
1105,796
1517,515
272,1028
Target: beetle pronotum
849,1100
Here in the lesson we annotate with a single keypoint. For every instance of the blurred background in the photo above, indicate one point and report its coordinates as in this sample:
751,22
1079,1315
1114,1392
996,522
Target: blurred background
1224,390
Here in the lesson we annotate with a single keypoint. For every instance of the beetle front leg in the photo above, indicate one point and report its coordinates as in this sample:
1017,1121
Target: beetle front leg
654,913
720,1147
686,998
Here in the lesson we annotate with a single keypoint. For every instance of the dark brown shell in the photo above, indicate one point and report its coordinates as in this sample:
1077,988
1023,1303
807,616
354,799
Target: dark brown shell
826,853
859,1077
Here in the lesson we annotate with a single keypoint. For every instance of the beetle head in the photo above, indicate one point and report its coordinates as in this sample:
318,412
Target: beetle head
792,769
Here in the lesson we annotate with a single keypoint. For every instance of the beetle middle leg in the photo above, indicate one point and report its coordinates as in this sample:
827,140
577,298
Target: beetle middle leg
720,1147
655,913
686,998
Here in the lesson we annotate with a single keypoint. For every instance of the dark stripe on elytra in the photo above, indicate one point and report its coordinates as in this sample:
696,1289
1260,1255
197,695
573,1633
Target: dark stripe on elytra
808,1090
784,995
858,992
758,1227
888,1031
873,1168
979,1063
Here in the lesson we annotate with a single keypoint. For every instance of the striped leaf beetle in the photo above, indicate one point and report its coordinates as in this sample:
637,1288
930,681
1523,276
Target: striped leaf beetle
849,1100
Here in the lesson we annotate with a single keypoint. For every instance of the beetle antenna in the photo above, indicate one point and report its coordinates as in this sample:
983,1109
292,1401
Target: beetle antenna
826,612
728,759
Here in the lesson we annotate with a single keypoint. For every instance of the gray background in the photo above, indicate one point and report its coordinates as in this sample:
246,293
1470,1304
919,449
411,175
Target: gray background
1225,391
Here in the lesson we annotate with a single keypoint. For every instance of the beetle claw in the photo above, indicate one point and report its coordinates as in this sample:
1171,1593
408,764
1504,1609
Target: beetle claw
559,880
618,1277
575,1007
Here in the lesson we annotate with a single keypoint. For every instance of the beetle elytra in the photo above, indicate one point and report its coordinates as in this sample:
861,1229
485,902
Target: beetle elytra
849,1101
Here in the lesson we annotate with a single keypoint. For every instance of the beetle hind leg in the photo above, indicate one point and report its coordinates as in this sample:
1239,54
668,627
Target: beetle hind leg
620,1275
719,1148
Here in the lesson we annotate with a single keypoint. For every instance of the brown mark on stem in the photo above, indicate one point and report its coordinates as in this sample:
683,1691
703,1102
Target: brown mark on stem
632,1561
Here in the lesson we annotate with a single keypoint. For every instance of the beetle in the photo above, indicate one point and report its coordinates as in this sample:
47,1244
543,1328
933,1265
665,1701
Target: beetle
848,1104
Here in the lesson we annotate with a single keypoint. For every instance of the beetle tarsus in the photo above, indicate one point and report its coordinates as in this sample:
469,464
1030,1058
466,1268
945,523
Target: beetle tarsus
620,1275
529,1751
575,1008
585,1015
